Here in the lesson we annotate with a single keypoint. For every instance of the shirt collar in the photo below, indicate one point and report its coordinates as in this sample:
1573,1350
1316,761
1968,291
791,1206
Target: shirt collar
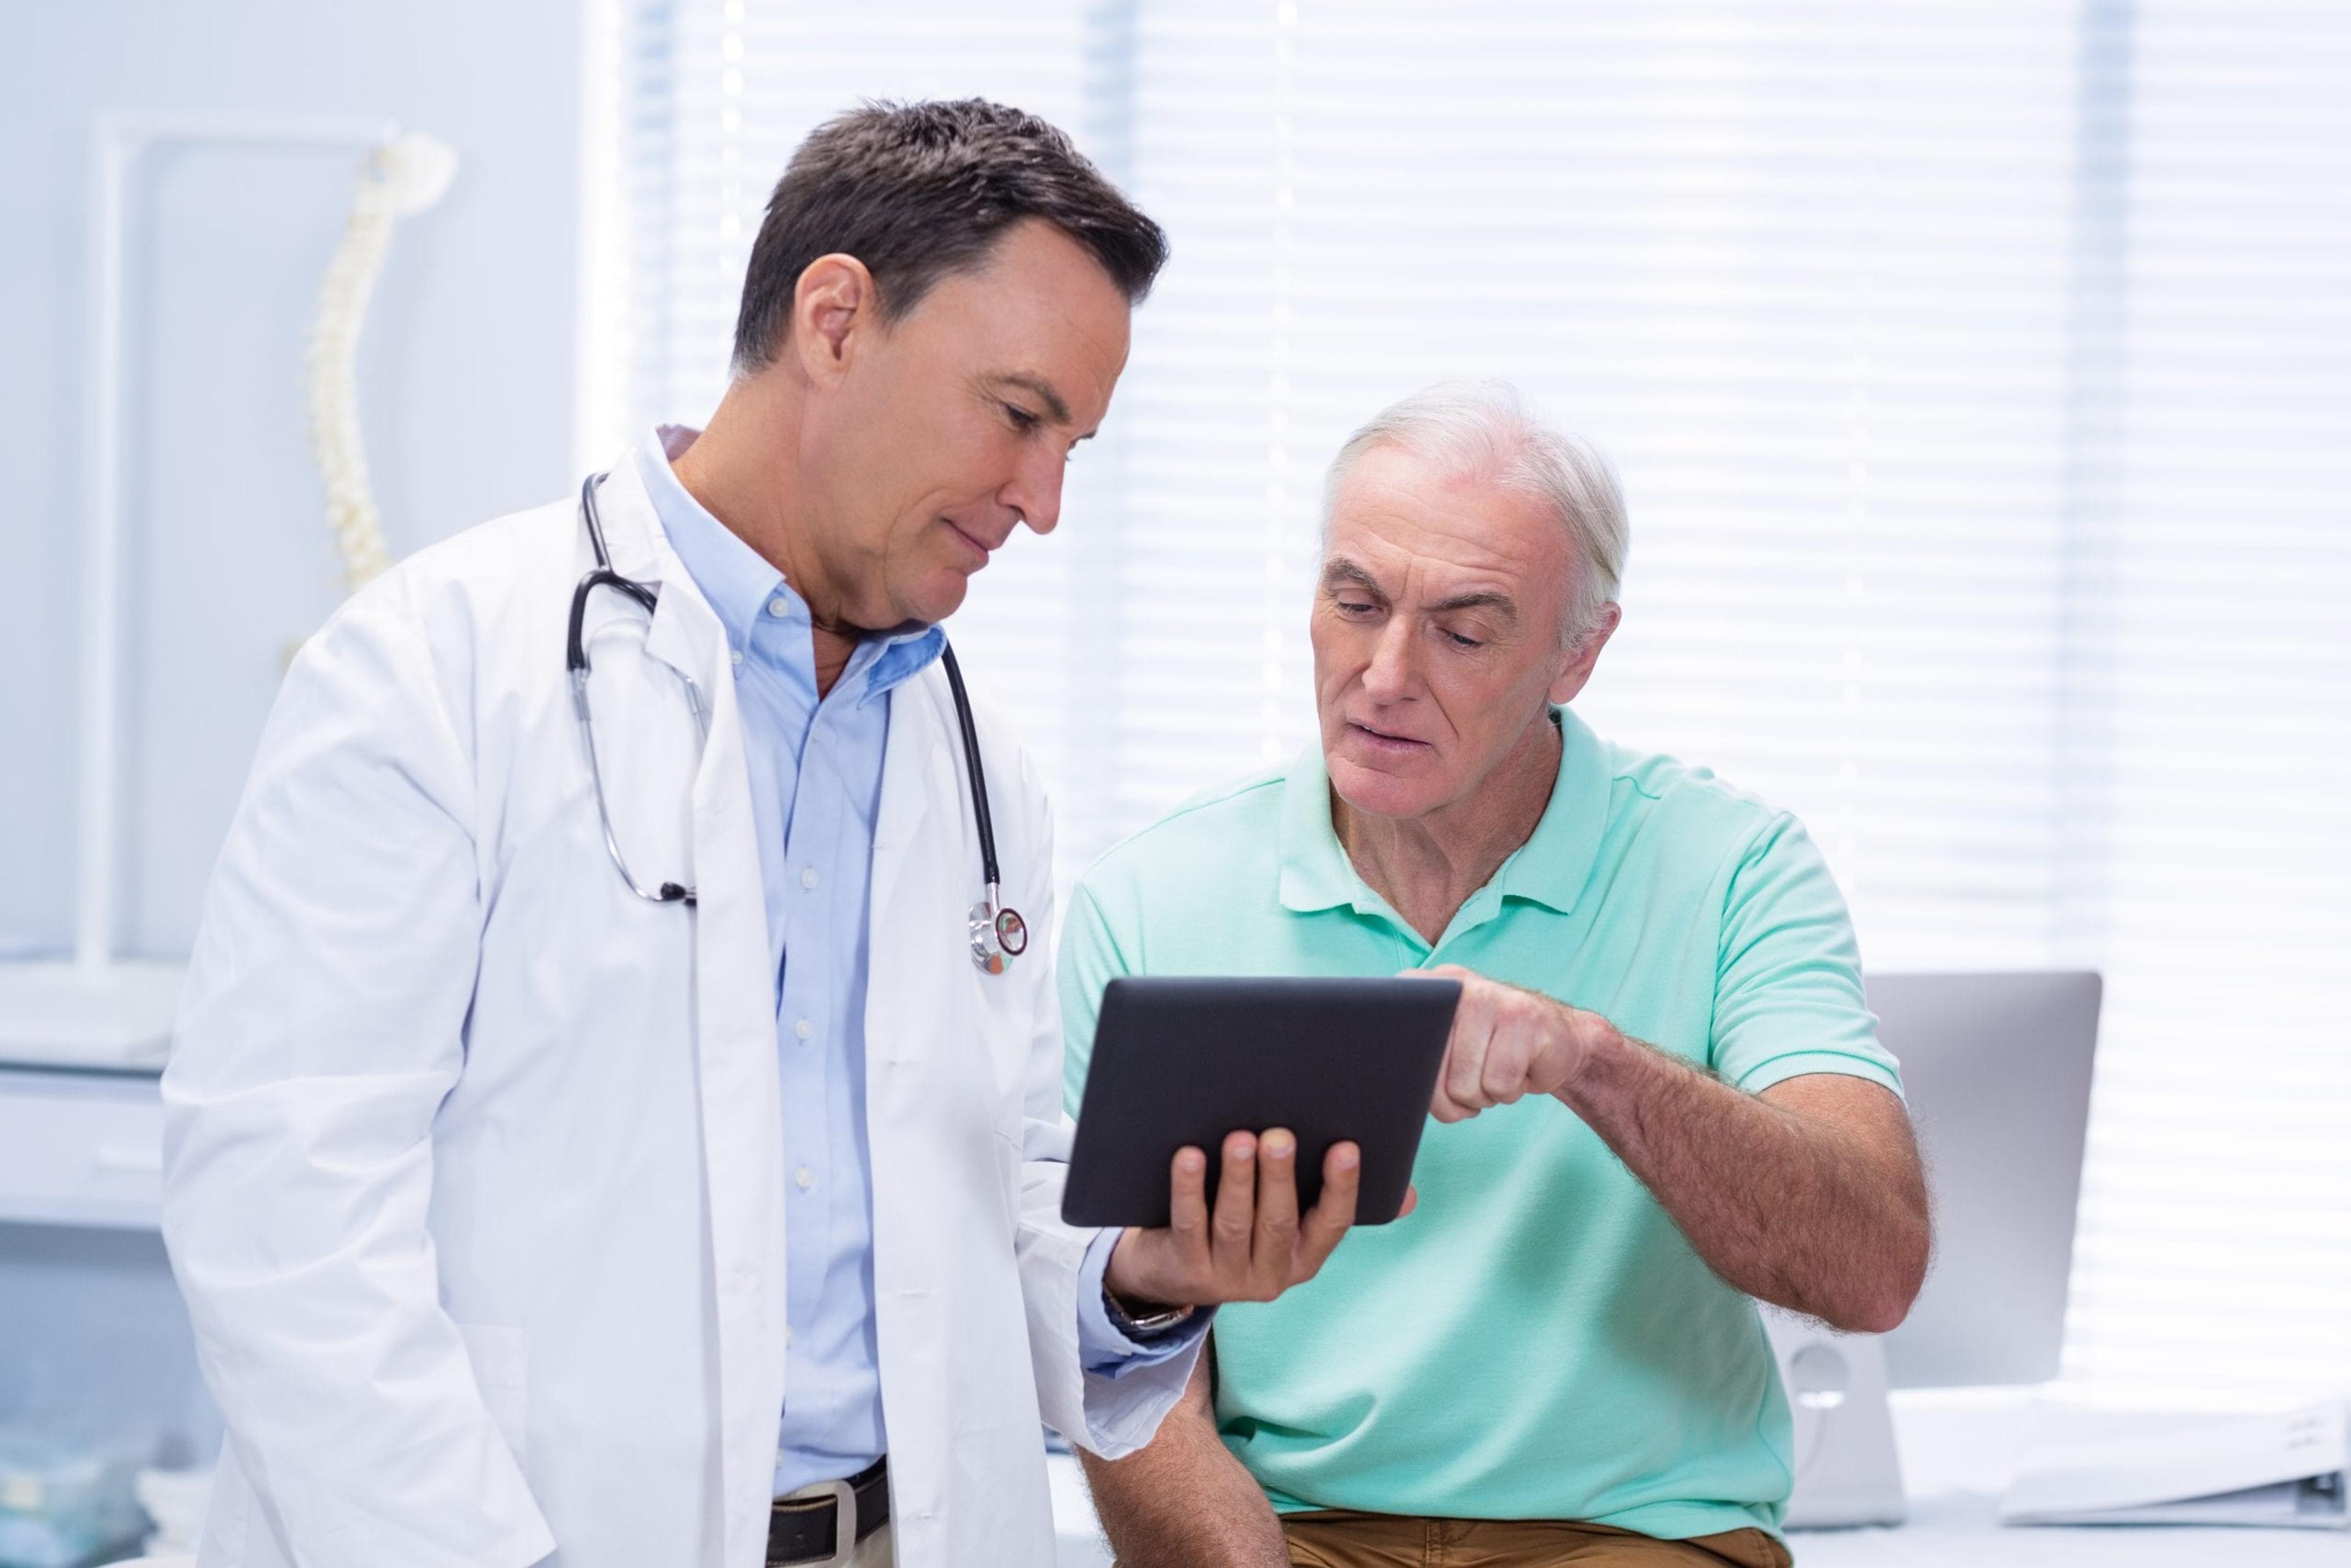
1315,871
1550,869
740,583
1556,862
736,580
898,656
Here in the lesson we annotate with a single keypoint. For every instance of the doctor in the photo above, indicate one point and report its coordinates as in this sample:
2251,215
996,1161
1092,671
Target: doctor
614,1122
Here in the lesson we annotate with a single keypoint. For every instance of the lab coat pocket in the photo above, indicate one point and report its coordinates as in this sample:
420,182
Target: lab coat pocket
1001,1021
501,1358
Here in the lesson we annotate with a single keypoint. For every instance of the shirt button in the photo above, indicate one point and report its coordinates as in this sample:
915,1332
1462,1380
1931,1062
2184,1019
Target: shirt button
804,1028
779,608
788,1336
734,655
809,878
805,1177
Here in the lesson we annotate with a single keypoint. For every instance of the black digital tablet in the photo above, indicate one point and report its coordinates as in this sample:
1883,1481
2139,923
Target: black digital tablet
1189,1059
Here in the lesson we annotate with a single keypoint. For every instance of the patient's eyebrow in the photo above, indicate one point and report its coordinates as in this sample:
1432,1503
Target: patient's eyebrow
1339,571
1500,603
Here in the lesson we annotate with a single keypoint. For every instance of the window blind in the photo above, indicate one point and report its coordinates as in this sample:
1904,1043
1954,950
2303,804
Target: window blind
1978,374
2213,790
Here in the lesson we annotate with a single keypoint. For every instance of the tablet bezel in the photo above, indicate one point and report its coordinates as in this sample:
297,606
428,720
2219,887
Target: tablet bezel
1182,1059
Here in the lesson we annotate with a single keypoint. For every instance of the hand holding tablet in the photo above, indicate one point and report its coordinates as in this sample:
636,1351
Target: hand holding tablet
1256,1244
1237,1127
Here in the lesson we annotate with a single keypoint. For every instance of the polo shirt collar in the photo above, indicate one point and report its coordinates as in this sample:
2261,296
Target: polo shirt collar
1315,871
1550,869
1556,862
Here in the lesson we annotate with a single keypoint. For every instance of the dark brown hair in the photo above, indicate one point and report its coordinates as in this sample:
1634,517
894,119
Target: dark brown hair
920,191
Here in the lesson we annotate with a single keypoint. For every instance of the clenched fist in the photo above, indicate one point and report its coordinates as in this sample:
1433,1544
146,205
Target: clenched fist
1508,1043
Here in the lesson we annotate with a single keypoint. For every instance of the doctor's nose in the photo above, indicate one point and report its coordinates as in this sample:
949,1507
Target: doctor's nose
1035,492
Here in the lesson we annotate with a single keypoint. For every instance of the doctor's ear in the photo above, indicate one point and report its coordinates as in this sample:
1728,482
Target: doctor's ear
834,297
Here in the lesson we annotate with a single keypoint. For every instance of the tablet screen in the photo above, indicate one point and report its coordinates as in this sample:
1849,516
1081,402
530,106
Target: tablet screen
1181,1061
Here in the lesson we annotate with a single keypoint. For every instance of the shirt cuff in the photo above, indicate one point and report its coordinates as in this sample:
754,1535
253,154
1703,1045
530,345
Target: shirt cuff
1104,1350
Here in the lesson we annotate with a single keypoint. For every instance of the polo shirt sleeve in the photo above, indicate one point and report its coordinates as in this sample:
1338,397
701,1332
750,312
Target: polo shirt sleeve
1788,994
1089,959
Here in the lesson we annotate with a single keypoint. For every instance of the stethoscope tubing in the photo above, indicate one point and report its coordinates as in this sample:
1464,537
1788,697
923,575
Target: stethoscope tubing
980,811
647,598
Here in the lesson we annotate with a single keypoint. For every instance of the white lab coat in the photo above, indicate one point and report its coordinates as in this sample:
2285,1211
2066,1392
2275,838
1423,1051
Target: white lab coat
475,1168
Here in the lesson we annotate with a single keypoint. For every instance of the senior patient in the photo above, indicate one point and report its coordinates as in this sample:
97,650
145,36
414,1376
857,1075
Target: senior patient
1662,1095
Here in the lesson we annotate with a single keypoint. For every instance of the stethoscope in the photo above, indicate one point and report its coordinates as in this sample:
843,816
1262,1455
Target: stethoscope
999,934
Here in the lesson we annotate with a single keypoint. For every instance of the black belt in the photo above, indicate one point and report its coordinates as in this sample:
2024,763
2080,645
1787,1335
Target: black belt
807,1529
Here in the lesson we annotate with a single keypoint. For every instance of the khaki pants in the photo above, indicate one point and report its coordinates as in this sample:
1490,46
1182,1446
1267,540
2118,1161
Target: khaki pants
1341,1540
874,1551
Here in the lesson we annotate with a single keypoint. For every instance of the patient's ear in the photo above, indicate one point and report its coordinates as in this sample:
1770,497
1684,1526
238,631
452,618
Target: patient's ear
1580,659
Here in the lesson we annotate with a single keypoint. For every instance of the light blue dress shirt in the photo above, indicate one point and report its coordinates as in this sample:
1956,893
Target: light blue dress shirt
816,784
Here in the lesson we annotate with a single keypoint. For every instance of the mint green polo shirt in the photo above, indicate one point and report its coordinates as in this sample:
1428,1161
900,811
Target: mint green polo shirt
1537,1339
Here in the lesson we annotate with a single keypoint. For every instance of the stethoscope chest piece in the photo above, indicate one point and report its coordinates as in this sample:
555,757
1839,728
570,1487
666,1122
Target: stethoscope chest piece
999,934
998,937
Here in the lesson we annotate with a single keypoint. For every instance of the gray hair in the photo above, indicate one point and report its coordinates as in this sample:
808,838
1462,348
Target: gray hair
1485,429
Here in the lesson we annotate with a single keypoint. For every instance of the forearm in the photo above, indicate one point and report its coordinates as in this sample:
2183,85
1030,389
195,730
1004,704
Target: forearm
1815,1215
1185,1501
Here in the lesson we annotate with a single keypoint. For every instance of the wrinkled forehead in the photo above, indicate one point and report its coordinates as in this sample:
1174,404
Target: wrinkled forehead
1420,525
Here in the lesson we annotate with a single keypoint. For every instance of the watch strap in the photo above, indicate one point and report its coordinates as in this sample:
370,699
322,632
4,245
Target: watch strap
1149,1324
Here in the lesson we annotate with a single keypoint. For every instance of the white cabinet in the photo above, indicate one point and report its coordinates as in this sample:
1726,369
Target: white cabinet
80,1148
94,1338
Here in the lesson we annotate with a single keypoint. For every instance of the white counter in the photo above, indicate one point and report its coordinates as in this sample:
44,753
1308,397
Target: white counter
1957,1452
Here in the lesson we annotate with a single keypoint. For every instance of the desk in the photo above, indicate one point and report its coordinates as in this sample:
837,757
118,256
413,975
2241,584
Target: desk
1947,1530
1957,1447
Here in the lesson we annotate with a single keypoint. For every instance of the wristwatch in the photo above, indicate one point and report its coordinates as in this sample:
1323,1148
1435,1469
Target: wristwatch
1144,1327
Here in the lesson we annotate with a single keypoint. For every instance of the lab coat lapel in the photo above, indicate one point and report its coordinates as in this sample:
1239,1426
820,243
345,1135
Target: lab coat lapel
742,1116
916,1001
686,633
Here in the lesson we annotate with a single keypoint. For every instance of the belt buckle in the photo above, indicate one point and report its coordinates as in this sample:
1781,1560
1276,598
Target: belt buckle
844,1528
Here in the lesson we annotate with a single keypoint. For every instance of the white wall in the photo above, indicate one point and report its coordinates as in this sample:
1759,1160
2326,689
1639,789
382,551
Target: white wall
465,379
